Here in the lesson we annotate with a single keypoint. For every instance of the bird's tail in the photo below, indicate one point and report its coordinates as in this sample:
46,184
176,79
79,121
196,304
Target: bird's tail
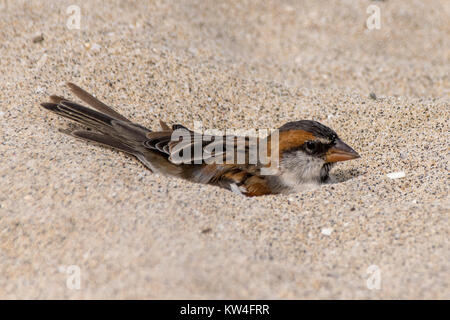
108,127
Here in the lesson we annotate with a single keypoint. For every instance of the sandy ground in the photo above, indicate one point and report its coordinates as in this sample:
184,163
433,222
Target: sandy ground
133,234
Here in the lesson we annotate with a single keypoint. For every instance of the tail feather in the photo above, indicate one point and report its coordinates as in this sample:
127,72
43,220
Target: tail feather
105,140
118,134
95,103
84,112
57,99
98,123
110,128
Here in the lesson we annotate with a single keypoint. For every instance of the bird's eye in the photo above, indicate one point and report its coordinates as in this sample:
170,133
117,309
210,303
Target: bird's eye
310,146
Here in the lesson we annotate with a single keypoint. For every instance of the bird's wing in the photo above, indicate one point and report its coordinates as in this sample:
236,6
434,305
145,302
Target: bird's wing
184,146
228,162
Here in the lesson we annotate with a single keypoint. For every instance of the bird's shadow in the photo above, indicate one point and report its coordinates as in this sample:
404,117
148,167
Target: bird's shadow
340,175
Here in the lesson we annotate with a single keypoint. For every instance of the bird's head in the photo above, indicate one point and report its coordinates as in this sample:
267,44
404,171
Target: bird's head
308,150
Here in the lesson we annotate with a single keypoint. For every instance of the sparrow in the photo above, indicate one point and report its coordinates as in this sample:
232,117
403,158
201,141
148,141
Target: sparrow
305,150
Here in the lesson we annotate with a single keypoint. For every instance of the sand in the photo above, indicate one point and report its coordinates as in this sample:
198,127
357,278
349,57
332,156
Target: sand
133,234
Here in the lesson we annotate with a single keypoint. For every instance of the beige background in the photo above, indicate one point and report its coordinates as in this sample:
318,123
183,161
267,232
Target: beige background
228,64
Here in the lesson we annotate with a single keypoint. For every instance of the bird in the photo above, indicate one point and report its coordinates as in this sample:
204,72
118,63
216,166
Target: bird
297,154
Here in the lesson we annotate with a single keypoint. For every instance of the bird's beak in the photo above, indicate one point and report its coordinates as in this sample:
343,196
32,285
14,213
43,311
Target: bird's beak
341,152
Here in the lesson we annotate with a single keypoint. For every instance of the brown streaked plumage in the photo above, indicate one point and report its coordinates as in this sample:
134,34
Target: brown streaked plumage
307,149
